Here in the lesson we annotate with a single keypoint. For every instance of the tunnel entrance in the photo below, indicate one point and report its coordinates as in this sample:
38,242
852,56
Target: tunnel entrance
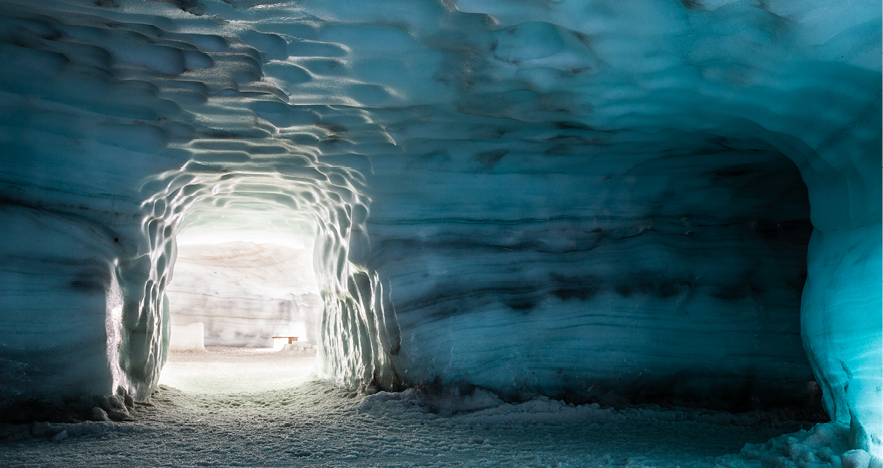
235,295
245,287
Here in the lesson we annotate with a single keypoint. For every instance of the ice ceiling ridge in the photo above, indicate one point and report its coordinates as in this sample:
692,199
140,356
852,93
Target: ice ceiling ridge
534,198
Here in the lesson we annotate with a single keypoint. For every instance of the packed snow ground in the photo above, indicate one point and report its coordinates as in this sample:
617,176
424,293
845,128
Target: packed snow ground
241,407
237,370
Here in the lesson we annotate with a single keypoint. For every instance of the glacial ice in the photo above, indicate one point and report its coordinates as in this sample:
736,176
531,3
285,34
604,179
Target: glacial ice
621,202
190,337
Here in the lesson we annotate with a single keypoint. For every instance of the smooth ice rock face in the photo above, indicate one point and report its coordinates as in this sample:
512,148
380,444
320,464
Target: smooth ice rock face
190,337
245,293
590,198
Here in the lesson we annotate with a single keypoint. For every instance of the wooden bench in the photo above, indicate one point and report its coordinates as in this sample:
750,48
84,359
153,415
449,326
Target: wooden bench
279,342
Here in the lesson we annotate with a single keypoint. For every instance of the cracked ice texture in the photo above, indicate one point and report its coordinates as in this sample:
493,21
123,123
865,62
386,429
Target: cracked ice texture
532,197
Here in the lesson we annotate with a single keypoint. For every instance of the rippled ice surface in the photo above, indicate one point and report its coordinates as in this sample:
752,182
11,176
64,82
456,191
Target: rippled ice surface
240,407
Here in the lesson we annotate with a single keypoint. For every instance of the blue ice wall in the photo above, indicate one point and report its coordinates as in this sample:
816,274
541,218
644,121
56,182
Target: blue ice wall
499,190
659,278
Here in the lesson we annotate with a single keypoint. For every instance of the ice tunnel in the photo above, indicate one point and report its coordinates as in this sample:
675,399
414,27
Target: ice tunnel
623,202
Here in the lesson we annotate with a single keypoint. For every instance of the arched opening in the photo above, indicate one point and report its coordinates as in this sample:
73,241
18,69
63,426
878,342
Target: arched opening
249,260
238,298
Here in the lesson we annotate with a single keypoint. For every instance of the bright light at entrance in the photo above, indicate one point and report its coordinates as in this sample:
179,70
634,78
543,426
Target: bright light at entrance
199,235
279,342
247,287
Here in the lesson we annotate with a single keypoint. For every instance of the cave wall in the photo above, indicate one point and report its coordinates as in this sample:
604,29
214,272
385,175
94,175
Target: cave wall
652,278
452,160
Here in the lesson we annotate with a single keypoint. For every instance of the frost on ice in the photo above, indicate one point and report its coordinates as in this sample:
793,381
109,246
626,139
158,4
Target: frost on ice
614,202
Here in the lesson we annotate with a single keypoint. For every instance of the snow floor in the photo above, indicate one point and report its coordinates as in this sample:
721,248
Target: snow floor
247,407
237,370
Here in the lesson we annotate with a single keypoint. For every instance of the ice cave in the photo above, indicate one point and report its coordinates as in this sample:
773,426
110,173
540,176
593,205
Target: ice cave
641,233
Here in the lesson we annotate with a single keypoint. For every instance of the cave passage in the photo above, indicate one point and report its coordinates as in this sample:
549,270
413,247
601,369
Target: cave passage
604,217
235,294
